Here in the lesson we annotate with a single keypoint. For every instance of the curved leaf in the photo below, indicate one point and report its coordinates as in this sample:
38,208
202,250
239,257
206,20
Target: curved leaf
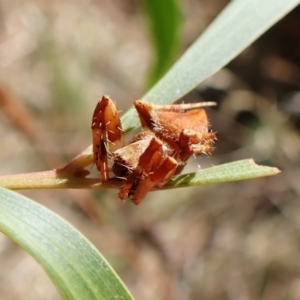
240,23
75,266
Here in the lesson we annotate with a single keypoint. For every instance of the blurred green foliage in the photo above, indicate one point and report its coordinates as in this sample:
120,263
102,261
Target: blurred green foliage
165,23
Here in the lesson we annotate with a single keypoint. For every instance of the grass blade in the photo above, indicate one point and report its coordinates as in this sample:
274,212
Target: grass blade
240,23
75,266
238,170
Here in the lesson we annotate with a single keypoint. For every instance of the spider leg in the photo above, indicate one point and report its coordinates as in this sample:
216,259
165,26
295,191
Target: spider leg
148,160
193,142
107,134
158,177
141,105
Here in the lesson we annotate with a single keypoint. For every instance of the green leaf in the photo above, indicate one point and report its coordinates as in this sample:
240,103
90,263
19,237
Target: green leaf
75,266
240,23
238,170
165,21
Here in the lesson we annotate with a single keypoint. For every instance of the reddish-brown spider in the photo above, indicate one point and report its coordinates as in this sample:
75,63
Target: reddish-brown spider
170,135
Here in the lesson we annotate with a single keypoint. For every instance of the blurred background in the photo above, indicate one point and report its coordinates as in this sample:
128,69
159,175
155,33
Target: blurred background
229,241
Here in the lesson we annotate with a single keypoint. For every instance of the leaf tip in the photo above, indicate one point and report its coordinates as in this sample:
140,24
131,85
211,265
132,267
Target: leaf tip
273,170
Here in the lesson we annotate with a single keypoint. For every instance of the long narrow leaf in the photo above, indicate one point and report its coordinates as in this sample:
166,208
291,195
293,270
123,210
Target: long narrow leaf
240,23
238,170
75,266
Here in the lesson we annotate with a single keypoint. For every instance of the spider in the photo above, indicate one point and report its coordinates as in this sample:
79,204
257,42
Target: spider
170,135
